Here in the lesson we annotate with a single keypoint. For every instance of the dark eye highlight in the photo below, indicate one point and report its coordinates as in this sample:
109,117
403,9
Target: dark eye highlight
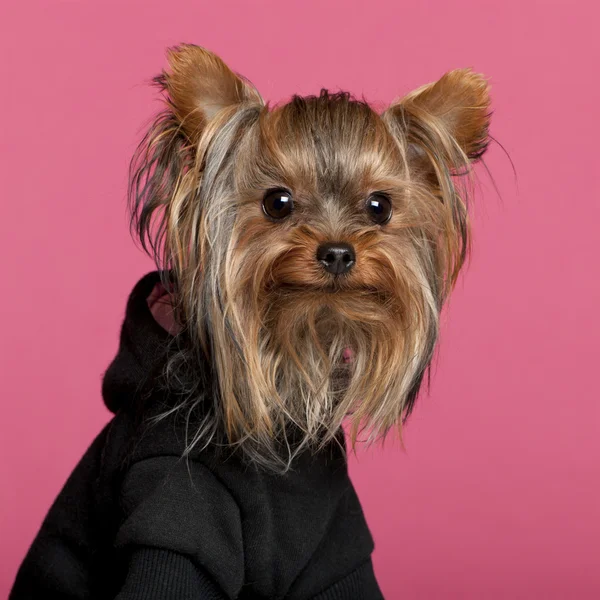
379,207
277,203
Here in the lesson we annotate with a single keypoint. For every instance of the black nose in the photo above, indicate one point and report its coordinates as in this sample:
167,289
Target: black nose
336,257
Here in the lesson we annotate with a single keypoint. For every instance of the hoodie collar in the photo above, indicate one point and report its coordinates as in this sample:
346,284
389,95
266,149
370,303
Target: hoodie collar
142,348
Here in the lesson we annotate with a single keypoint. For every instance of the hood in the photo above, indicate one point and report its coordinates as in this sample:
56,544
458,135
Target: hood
143,346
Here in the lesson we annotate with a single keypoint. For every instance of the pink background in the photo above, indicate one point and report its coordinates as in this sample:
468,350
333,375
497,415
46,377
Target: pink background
498,494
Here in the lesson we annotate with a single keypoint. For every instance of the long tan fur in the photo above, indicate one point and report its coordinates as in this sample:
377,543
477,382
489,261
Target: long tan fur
253,302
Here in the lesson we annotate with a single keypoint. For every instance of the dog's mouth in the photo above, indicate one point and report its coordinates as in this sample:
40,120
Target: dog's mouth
332,293
348,355
329,288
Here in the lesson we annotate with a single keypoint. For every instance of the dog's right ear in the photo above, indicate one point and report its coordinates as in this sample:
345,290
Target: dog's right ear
199,84
201,94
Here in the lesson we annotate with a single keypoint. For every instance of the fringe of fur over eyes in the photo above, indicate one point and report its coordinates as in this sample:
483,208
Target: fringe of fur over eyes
250,302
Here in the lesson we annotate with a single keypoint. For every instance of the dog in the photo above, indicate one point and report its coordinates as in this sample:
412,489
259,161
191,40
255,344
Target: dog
313,243
304,253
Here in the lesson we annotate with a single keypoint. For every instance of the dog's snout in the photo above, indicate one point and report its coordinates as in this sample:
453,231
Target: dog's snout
336,257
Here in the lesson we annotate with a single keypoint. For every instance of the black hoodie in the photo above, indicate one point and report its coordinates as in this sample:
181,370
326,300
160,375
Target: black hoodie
136,521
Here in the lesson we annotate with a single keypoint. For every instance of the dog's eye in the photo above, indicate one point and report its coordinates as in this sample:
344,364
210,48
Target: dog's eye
379,207
277,204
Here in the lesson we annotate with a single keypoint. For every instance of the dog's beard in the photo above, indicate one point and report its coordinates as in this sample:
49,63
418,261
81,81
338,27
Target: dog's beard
281,342
334,355
290,364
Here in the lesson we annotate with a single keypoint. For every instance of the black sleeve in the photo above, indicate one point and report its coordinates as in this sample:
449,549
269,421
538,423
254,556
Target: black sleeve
155,574
73,534
181,528
358,585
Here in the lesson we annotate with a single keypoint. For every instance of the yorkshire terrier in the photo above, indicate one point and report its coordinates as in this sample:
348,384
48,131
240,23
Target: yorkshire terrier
304,252
312,244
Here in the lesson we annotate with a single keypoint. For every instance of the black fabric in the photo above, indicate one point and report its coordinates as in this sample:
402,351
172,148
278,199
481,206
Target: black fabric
136,520
166,575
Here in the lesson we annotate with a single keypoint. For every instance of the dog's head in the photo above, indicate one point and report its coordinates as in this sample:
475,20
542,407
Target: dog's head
313,243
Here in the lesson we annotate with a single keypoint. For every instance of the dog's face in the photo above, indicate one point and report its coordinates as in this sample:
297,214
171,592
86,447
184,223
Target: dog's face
324,204
314,243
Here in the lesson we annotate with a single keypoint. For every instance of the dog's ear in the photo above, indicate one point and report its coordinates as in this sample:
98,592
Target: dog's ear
199,84
202,94
443,129
448,118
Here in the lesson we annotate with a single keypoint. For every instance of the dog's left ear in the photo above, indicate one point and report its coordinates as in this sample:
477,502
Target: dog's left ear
448,118
442,128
